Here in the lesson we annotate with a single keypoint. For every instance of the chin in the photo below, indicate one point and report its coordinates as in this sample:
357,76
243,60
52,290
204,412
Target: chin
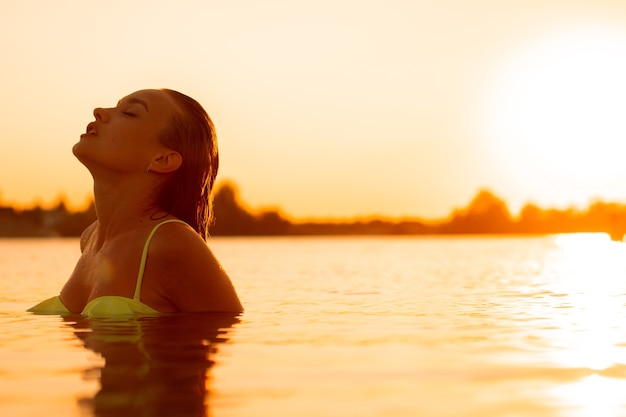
76,150
80,152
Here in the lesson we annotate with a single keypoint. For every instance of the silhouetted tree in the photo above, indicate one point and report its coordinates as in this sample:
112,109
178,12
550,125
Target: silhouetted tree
531,219
271,223
73,224
486,213
230,216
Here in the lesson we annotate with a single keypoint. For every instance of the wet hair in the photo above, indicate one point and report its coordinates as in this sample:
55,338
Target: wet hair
187,193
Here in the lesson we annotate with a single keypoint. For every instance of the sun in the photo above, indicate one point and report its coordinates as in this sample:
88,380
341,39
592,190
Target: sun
558,104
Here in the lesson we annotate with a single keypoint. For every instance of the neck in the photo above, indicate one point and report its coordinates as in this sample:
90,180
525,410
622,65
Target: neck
123,207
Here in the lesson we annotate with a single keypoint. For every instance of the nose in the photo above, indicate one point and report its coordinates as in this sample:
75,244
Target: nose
101,114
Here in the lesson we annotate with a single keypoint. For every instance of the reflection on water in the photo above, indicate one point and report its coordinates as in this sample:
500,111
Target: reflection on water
594,395
589,334
154,366
590,271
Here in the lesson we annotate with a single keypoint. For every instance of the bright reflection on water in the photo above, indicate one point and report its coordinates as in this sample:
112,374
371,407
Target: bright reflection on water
445,326
590,271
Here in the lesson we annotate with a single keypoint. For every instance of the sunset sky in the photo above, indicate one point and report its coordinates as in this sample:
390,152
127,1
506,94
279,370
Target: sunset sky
334,108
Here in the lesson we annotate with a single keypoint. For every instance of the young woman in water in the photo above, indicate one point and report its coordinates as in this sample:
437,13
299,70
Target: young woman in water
153,159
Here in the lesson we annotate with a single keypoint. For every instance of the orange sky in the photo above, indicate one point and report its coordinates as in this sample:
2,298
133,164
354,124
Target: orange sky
334,108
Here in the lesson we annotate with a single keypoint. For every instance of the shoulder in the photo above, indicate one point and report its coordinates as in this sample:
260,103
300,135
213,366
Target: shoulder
174,241
177,246
188,271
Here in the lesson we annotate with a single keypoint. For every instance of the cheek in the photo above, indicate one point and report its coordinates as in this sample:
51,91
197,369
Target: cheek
144,137
132,141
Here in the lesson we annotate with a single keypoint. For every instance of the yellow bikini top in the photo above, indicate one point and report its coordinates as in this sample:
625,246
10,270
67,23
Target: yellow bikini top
109,305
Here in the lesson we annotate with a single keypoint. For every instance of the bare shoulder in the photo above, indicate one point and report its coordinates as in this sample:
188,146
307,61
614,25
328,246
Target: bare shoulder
176,232
188,271
178,244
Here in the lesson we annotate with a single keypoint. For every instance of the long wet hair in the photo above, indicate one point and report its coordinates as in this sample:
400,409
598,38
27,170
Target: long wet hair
187,193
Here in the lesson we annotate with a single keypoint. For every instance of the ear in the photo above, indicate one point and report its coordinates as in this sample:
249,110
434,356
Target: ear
166,162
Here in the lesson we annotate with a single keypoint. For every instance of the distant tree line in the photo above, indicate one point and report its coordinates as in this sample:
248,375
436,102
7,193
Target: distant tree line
39,222
485,214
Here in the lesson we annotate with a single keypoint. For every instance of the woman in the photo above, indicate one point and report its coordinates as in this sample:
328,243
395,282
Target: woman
153,159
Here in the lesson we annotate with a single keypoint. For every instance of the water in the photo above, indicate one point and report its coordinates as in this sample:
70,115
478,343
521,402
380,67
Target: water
342,326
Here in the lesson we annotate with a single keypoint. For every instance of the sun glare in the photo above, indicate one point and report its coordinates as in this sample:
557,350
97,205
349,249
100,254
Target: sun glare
592,396
559,104
590,270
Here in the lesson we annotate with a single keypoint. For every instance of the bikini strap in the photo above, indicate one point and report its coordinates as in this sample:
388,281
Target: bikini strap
144,257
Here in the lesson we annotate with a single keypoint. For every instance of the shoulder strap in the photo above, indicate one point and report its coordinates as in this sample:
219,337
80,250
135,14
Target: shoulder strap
144,257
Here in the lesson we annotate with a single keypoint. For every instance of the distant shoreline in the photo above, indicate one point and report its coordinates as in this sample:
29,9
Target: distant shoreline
486,214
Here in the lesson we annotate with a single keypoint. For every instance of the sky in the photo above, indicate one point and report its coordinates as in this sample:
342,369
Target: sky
333,108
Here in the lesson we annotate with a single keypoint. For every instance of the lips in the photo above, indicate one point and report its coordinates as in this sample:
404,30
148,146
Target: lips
91,129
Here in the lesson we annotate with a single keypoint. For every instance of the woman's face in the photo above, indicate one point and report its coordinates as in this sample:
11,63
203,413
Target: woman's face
125,138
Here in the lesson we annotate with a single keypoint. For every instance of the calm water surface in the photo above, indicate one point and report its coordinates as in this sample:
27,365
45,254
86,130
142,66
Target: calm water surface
496,326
